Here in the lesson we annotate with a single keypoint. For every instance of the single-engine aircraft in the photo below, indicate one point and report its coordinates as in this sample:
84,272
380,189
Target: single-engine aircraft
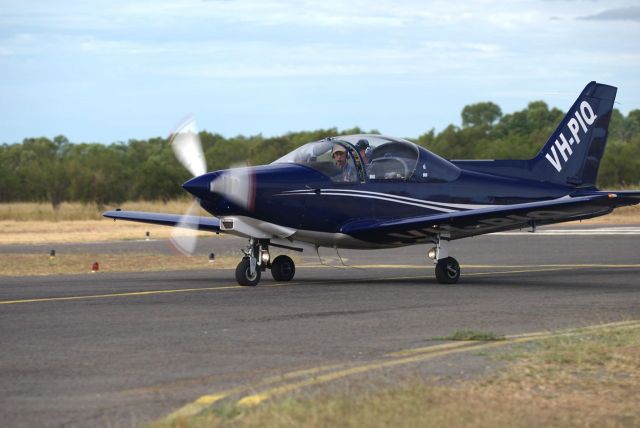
371,192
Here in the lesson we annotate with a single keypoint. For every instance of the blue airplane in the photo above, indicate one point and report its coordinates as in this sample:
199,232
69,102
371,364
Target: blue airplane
370,192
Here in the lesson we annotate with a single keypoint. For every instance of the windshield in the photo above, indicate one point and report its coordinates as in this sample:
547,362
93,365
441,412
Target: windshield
374,156
334,158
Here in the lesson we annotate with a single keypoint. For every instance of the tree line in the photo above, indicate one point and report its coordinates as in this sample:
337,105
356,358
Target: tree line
56,170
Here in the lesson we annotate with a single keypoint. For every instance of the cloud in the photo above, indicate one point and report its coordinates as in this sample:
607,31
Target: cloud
619,14
264,60
119,15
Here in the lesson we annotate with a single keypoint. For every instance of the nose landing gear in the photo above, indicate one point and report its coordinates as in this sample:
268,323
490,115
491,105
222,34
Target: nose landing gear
245,275
257,259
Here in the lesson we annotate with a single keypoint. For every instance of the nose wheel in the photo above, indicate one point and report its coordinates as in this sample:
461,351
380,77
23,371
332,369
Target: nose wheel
257,259
244,274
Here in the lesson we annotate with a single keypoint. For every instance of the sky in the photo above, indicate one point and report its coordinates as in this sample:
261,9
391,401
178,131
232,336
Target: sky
106,71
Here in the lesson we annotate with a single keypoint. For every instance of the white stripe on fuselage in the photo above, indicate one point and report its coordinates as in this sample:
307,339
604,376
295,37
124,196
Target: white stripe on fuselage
432,207
448,207
384,197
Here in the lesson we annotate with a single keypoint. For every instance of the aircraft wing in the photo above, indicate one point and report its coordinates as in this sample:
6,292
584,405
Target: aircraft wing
210,224
463,224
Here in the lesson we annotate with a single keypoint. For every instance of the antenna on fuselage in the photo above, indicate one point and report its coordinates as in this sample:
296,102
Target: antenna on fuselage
344,265
339,256
319,257
342,261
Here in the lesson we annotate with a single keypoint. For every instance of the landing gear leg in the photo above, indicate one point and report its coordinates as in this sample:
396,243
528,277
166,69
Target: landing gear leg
255,260
447,268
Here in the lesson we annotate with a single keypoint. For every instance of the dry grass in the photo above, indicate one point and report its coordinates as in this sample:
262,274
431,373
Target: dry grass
624,215
34,211
42,264
592,380
38,223
46,232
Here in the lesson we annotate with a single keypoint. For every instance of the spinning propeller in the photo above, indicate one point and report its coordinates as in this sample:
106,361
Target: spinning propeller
236,184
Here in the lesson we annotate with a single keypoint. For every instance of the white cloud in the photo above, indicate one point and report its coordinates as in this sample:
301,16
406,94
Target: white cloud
103,15
616,14
395,49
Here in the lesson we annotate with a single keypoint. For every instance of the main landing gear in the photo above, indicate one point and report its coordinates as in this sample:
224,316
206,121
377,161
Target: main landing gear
447,268
447,271
257,259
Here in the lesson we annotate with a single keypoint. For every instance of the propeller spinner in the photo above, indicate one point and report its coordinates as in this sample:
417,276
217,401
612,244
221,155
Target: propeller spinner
235,184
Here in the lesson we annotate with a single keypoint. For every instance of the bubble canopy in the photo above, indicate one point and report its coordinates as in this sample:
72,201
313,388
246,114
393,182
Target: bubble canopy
372,157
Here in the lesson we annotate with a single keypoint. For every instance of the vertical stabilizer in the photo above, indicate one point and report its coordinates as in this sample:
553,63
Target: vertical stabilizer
572,154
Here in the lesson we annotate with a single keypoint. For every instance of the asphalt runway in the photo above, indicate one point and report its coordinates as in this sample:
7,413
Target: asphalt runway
120,349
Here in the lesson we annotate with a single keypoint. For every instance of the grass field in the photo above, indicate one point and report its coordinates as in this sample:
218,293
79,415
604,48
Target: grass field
49,232
588,380
38,223
34,211
42,264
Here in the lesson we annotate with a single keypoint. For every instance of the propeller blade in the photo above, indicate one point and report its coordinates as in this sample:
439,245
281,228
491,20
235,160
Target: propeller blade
187,147
184,236
237,185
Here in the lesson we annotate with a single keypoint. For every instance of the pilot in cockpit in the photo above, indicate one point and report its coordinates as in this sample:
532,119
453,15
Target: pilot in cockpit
347,171
363,147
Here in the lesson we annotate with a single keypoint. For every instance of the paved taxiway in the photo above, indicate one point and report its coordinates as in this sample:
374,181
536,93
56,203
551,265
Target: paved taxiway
124,348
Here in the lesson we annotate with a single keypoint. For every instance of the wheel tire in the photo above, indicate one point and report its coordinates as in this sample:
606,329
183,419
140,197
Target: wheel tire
243,275
283,268
447,271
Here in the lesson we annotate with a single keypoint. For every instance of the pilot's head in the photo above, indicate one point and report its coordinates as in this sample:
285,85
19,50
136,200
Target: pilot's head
339,155
362,144
363,147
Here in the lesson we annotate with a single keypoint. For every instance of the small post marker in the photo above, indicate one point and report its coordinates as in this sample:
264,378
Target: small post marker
212,258
52,258
95,267
147,235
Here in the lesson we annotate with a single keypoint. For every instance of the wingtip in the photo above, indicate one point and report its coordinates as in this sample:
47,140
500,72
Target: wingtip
111,213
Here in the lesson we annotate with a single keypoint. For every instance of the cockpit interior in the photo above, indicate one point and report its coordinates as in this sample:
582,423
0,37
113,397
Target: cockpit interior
371,157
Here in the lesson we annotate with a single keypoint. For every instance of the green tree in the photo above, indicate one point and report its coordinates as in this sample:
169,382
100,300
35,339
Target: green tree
484,114
99,174
158,175
11,188
43,167
624,128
